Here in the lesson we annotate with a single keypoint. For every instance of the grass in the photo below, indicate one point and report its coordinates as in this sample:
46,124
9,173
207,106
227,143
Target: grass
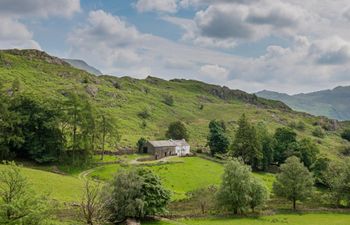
281,219
59,187
182,175
46,82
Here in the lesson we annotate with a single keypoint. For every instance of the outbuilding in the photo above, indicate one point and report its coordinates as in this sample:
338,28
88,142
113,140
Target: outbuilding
164,148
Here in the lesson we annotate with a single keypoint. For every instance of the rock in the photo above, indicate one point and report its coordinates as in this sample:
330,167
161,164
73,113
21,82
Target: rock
91,90
130,221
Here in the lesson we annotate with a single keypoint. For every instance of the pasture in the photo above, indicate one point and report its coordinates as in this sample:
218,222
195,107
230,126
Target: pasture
181,175
280,219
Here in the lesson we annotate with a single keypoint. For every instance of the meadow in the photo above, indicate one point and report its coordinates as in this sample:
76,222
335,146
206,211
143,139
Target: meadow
280,219
181,175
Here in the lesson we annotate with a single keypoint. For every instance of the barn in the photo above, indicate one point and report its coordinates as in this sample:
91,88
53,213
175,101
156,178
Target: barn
164,148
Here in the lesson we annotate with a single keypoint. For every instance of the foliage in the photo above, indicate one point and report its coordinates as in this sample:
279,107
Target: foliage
203,197
294,182
338,180
266,141
318,132
177,131
217,139
258,194
43,139
144,114
239,190
319,168
308,152
285,144
346,134
134,193
168,100
246,144
91,205
18,203
140,143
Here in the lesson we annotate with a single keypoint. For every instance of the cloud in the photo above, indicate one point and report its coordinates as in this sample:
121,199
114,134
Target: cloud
117,47
214,72
13,34
167,6
39,8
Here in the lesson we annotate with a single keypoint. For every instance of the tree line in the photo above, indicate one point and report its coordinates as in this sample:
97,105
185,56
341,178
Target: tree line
68,131
257,147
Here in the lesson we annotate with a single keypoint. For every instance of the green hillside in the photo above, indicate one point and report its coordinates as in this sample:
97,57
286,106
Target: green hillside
49,78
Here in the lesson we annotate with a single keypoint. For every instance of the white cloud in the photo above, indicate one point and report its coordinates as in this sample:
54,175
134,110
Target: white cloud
307,64
13,32
168,6
214,72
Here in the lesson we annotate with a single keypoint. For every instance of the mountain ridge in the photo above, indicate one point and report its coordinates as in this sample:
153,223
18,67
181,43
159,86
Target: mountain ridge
333,103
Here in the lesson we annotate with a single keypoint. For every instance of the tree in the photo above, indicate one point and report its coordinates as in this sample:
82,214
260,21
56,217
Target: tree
10,133
203,197
91,206
107,132
177,131
266,141
246,144
294,182
319,168
218,141
284,144
308,152
234,192
346,134
43,140
141,143
337,178
18,203
134,193
258,193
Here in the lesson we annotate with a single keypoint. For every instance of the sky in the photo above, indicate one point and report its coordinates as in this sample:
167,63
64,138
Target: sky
289,46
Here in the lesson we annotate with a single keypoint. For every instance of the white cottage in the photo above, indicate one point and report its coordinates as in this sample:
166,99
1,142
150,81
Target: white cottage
182,148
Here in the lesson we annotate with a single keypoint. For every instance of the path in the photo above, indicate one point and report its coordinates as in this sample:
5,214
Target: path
83,175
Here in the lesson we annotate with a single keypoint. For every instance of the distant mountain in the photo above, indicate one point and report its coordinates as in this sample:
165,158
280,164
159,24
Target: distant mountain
80,64
333,103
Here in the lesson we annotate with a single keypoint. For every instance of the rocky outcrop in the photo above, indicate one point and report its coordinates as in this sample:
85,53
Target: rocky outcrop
33,54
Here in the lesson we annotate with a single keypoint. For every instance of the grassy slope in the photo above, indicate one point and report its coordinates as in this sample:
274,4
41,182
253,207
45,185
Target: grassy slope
187,174
294,219
48,82
59,187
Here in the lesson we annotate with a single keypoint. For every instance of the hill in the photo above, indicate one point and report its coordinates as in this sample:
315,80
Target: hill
80,64
333,103
49,78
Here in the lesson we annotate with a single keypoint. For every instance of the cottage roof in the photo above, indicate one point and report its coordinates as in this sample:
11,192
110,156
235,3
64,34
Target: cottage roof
169,143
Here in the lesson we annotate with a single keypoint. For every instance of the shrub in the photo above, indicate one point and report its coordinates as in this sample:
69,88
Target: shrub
144,114
168,100
346,134
318,132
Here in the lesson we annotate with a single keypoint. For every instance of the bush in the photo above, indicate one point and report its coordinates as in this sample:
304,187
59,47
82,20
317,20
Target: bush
168,100
144,114
177,130
318,132
346,134
134,193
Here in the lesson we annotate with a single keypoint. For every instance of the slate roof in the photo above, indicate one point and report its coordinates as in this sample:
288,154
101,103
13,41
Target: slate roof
169,143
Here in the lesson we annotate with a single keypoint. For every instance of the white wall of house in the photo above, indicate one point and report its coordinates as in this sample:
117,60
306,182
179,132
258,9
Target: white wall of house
182,150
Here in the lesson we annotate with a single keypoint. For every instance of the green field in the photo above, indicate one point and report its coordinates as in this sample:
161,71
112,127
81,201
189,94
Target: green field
59,187
182,175
281,219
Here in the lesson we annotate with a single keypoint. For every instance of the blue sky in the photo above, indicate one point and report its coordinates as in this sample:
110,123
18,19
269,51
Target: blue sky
289,46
